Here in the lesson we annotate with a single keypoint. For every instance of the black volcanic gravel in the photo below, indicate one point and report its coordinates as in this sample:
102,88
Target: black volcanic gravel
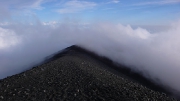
74,77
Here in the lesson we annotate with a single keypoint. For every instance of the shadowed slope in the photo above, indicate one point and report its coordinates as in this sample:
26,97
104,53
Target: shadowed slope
118,69
75,74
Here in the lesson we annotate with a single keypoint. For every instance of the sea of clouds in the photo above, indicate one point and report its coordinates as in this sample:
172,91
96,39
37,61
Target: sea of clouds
155,55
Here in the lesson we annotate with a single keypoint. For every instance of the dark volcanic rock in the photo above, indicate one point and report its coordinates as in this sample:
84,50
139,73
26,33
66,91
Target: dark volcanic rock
74,76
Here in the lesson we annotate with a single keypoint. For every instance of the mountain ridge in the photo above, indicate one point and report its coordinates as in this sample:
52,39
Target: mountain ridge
133,75
73,70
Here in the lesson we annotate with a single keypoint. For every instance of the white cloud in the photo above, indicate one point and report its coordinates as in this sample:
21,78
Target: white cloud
160,2
7,38
156,55
11,8
112,1
21,4
115,1
37,4
74,6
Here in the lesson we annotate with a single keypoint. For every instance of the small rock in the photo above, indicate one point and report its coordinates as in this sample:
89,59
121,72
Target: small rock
78,90
1,97
19,92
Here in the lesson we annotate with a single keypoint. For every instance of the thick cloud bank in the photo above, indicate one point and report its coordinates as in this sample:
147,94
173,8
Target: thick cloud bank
156,55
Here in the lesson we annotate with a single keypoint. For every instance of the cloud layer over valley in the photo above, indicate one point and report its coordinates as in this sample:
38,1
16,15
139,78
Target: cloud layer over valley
155,55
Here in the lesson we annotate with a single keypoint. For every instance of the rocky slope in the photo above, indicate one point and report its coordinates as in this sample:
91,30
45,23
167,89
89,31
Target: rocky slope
74,75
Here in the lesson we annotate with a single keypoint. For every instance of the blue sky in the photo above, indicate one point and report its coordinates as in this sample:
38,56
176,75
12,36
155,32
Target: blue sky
133,12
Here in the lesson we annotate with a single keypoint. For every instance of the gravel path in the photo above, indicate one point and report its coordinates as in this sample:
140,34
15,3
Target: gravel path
74,77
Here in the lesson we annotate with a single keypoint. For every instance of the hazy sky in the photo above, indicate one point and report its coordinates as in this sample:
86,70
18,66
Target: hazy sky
133,12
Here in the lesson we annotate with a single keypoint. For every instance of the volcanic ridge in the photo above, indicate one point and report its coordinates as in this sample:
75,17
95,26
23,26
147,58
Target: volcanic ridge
76,74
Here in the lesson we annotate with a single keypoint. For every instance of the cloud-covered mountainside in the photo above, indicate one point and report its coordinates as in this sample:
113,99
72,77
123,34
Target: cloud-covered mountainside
155,55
